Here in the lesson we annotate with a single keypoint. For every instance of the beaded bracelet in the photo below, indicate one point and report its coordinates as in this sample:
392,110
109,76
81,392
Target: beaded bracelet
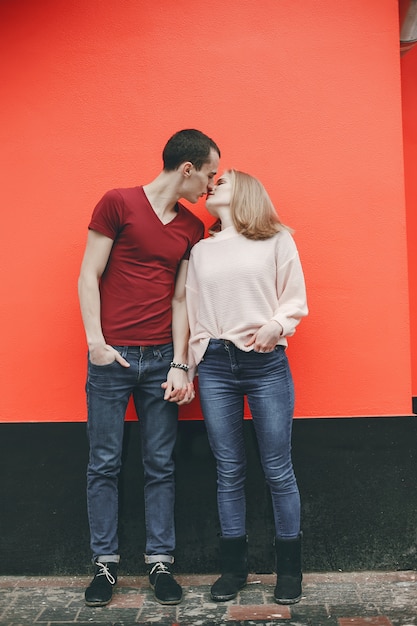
180,366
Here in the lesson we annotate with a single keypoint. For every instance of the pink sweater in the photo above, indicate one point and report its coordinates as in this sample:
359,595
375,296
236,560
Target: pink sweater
236,285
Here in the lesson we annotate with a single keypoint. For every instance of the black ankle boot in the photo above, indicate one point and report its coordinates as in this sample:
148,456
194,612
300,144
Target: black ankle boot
166,589
288,553
234,568
100,590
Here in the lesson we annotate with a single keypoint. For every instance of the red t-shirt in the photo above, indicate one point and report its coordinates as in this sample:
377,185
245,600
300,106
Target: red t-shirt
137,285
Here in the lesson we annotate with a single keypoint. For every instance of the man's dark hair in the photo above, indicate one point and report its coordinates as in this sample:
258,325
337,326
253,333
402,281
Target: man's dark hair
188,145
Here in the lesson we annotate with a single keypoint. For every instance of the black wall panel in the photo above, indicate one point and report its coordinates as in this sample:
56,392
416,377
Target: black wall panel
357,478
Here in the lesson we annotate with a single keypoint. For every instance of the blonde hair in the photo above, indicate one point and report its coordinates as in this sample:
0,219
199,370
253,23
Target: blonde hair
252,211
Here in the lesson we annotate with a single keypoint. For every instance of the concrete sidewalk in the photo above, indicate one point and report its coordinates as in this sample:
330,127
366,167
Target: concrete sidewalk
331,599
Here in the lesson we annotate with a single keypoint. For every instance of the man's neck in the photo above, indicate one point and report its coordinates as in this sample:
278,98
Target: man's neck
162,196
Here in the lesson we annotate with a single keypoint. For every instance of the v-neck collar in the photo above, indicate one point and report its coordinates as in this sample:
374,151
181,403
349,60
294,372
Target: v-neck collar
163,224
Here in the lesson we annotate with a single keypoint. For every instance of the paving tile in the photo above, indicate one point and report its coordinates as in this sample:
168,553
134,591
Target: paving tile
258,612
307,615
365,621
336,593
252,596
105,614
131,599
53,614
157,613
19,614
343,611
207,612
329,599
405,619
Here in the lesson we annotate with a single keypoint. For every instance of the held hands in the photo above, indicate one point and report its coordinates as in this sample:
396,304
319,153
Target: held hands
266,337
104,354
178,388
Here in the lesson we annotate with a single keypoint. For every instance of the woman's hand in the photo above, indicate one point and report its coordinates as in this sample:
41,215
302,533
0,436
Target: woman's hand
266,337
177,387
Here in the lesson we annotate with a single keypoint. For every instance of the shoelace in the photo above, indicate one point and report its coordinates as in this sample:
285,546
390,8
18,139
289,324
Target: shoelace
161,568
104,571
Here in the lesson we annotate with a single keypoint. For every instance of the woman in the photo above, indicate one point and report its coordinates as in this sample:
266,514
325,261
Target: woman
245,296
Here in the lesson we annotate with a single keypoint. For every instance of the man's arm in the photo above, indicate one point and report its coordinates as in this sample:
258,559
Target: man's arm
177,386
95,259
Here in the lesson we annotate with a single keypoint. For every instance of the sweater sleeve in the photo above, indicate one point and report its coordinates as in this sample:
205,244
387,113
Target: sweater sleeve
291,291
191,286
191,292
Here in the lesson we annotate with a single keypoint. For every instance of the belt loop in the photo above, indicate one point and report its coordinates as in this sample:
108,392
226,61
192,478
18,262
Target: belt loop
124,351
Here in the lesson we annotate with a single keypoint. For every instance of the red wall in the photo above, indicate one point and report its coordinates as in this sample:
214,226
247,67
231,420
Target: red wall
409,99
306,96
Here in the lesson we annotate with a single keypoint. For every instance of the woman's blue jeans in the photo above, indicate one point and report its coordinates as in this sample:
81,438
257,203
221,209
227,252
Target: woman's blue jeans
109,389
226,376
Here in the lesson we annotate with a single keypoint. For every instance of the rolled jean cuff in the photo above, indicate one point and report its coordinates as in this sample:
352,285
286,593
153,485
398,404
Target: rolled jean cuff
158,558
107,558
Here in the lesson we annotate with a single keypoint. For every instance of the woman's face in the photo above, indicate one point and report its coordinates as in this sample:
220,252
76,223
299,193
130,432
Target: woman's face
220,196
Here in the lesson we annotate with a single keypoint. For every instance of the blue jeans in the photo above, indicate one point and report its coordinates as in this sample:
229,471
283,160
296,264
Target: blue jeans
226,376
109,389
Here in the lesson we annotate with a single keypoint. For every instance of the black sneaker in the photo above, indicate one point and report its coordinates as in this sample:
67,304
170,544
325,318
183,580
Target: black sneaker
100,591
166,588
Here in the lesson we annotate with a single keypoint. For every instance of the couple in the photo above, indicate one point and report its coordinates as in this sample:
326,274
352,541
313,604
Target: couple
146,278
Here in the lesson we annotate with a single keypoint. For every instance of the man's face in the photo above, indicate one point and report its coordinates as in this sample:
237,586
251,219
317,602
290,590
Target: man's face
201,182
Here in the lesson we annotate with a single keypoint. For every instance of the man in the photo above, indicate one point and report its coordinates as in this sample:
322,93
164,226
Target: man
132,299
